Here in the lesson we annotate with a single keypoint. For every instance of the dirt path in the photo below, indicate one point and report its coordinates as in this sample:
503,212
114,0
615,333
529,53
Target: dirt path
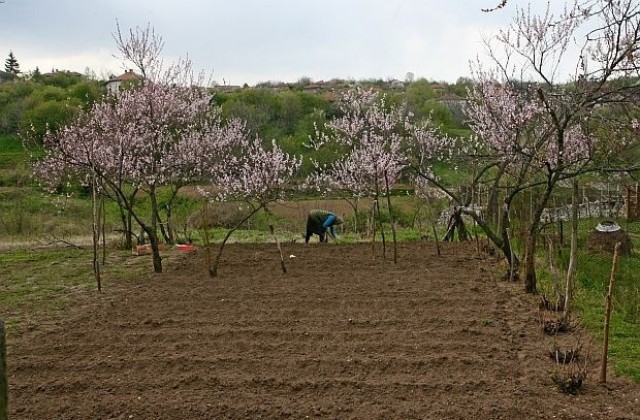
341,336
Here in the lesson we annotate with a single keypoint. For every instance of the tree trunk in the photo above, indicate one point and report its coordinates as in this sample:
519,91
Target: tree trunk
125,216
129,230
155,248
493,208
163,231
168,232
506,245
126,220
499,237
530,281
171,237
152,231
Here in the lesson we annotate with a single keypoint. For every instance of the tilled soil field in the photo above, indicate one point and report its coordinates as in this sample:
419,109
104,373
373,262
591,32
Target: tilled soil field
341,335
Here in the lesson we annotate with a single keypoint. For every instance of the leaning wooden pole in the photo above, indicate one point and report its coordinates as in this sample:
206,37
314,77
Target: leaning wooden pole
275,238
607,315
4,388
435,237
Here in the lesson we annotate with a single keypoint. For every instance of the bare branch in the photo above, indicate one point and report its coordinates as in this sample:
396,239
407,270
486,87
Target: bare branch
499,6
142,47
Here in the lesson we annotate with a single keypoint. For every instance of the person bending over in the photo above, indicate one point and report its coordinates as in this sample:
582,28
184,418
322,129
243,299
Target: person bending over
321,223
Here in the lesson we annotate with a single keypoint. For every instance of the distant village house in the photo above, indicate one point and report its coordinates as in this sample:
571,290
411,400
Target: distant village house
113,84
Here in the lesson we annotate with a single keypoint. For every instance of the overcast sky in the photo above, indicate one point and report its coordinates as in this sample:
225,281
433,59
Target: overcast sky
251,41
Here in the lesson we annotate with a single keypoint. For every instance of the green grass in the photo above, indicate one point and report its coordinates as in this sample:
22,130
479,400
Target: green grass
29,272
593,280
624,348
594,272
27,213
37,281
14,170
12,150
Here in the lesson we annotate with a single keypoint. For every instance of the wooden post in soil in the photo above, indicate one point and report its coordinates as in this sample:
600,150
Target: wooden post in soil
205,234
607,315
4,388
284,268
629,204
383,237
373,225
555,274
435,236
95,226
391,218
511,261
573,253
637,207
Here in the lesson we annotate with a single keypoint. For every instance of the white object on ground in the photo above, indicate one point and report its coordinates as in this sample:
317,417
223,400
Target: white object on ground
607,226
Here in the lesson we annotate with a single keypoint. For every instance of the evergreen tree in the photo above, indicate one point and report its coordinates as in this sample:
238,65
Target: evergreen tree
36,75
11,64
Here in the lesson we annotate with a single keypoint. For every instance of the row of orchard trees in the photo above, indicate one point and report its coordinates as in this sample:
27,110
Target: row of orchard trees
535,132
162,133
532,130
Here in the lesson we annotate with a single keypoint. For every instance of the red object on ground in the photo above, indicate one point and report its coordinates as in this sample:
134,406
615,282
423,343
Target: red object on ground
185,247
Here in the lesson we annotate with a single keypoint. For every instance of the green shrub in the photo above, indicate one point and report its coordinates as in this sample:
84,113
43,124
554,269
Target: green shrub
356,222
46,115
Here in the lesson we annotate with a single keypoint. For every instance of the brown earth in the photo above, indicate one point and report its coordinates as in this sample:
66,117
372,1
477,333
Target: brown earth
341,335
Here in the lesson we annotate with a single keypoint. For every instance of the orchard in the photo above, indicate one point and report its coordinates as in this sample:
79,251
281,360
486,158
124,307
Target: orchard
266,326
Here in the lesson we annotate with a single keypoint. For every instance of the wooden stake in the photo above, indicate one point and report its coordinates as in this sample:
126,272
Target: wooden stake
435,236
607,316
205,235
4,388
95,226
573,255
555,273
511,262
637,207
284,268
391,219
373,224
